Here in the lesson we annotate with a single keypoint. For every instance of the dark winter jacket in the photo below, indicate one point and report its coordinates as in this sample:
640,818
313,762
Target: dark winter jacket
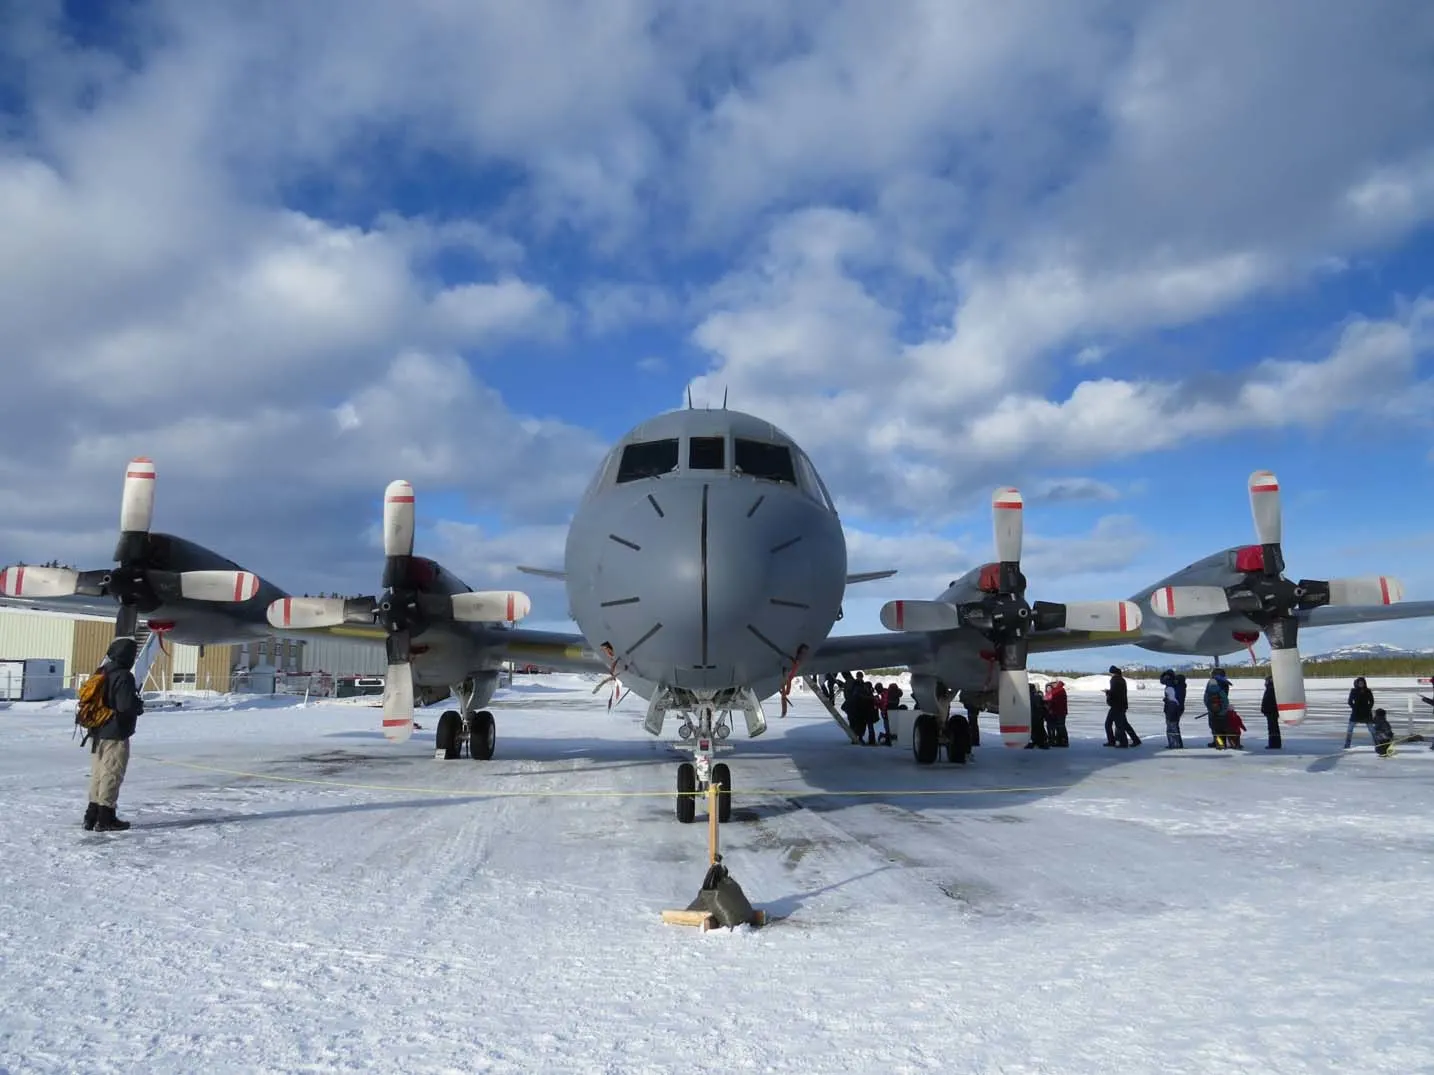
1180,691
1361,703
1269,707
121,692
1116,696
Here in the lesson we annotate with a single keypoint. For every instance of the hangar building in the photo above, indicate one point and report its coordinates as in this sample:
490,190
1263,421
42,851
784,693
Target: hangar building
78,642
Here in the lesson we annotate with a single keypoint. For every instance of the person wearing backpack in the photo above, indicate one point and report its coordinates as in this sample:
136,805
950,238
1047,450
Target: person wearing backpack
109,741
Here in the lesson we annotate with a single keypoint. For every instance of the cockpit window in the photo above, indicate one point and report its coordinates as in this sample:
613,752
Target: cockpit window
647,459
707,453
813,484
770,462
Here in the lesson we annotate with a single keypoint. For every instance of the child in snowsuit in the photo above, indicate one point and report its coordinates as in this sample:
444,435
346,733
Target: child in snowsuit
1234,728
1174,709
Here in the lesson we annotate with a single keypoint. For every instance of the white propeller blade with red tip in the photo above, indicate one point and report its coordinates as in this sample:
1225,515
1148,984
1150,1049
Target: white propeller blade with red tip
398,519
1008,511
1013,699
137,502
398,527
1265,507
491,606
39,581
920,616
1287,670
398,702
1370,590
1122,616
229,586
1181,602
300,613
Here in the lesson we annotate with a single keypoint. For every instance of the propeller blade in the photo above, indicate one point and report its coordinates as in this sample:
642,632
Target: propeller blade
491,606
919,616
1013,699
398,519
227,586
137,504
314,612
39,582
1369,590
1122,616
1180,602
398,702
1007,510
1288,672
1265,506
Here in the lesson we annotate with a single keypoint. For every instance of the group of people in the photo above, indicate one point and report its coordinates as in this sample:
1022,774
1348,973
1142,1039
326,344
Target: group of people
864,703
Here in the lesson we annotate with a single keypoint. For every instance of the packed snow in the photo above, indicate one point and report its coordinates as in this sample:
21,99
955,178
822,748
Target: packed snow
299,895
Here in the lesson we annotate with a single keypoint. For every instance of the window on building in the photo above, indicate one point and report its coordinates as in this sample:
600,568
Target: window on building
707,453
647,459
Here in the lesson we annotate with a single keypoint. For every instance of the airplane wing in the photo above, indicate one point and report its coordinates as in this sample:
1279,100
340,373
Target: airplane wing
553,649
1333,615
75,605
841,653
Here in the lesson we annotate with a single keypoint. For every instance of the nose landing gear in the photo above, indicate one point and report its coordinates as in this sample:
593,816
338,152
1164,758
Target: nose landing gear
704,733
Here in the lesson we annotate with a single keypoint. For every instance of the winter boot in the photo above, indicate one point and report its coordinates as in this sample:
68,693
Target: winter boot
92,814
107,822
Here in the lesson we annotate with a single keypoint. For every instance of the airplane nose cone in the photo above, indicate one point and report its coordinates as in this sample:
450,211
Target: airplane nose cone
711,584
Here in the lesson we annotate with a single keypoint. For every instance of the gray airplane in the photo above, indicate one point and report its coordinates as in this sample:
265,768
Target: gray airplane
705,567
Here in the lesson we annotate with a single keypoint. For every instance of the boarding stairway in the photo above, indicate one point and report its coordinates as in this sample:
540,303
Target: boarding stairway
830,705
148,642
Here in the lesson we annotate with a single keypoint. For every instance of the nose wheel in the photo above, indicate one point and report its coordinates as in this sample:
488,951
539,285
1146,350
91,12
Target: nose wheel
690,787
704,736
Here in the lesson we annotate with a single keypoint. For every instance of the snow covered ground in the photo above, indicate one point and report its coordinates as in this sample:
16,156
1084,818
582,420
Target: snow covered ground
299,895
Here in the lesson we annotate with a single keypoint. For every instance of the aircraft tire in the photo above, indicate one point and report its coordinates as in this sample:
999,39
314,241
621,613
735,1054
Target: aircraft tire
686,799
482,736
924,744
722,777
446,739
958,739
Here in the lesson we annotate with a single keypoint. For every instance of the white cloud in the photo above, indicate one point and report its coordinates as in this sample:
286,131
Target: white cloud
260,248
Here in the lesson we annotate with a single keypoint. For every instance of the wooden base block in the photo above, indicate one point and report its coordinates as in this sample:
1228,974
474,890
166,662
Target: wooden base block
705,921
701,919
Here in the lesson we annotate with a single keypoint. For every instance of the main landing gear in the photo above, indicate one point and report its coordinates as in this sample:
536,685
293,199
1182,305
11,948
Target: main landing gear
705,734
476,730
931,734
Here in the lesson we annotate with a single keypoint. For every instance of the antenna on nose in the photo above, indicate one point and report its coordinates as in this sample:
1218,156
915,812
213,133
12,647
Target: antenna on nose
689,397
724,397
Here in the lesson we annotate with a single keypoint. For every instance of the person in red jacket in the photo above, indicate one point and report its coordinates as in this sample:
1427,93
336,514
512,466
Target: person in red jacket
1057,706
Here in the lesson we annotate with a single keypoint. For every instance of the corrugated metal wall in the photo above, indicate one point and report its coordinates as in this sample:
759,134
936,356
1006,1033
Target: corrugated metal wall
92,638
25,634
344,657
212,668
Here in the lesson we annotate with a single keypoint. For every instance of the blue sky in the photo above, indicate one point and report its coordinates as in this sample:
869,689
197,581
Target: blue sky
1119,254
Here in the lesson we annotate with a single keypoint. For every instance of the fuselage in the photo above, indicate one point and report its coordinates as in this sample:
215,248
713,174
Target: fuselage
706,554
